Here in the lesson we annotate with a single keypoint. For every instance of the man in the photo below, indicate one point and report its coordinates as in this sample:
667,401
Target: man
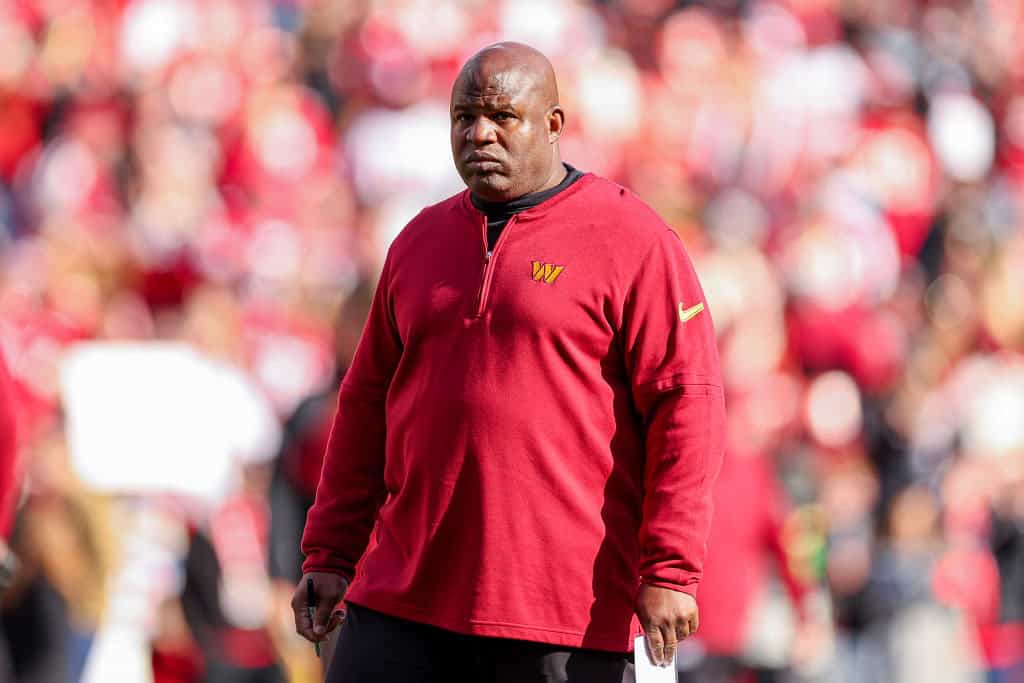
530,427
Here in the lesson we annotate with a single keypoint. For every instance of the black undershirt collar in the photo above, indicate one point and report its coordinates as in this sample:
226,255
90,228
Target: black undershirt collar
499,213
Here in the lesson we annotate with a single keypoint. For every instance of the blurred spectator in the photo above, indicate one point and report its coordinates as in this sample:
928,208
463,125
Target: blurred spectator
226,596
304,443
746,627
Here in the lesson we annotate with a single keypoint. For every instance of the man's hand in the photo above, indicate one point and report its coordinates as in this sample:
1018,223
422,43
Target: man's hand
329,589
667,617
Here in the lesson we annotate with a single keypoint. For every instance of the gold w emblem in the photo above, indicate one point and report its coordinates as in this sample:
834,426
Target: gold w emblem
546,272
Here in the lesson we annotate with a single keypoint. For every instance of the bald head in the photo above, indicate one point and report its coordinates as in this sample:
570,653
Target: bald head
533,68
506,122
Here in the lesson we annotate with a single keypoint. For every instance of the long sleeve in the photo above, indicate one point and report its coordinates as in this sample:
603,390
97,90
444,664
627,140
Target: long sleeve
351,487
672,361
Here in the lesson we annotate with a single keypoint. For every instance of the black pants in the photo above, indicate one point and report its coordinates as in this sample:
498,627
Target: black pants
376,648
34,633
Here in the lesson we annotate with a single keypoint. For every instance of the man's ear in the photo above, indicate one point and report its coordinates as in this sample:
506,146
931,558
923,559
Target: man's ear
556,123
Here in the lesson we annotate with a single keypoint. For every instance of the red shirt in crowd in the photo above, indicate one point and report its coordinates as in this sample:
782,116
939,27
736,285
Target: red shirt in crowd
9,480
531,434
744,545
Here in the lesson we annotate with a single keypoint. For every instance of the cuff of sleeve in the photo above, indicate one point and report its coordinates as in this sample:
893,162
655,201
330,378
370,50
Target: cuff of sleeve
324,561
688,588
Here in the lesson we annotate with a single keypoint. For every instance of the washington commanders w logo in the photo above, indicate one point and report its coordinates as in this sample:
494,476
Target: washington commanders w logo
546,272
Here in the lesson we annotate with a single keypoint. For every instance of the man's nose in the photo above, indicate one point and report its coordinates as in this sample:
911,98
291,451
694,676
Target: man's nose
481,131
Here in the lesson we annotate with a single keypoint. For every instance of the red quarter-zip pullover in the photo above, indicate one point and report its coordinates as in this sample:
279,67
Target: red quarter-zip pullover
530,433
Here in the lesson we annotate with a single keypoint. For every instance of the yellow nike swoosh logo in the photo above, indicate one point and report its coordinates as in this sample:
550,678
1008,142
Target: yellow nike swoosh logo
687,313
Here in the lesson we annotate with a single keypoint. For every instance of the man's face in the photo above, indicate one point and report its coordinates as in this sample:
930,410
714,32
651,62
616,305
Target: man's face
501,140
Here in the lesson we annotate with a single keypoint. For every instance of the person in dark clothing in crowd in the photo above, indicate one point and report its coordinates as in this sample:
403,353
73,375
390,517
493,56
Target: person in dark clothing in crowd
304,442
531,425
231,654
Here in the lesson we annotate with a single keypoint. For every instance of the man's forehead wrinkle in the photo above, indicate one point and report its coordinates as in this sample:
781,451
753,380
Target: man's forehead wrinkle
506,88
485,100
511,77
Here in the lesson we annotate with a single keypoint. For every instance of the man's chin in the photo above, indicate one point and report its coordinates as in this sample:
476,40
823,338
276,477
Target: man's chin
492,187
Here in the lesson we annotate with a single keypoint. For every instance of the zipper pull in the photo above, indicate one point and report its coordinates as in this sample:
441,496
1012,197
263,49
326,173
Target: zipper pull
487,257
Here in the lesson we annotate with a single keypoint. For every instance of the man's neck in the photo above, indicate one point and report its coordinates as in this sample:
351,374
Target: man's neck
555,177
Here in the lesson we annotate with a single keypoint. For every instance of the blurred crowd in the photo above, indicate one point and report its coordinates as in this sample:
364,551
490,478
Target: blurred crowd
226,175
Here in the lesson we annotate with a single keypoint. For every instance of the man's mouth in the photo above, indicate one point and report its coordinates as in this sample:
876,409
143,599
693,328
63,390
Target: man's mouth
481,160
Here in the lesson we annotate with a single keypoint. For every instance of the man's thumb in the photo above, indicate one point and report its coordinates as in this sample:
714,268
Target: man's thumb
322,616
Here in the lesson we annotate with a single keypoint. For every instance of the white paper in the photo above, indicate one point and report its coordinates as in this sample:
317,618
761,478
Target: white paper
158,417
646,670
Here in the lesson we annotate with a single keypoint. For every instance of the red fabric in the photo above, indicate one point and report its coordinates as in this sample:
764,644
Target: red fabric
20,121
9,479
306,460
744,543
519,500
177,666
247,648
1001,645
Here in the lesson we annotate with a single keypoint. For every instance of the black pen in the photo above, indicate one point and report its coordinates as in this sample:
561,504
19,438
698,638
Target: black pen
311,608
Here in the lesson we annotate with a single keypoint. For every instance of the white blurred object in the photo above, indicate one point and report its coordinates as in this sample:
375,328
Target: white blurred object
120,654
286,143
153,31
160,417
151,541
448,20
609,95
982,401
933,644
994,420
962,133
646,670
401,152
833,409
770,629
540,23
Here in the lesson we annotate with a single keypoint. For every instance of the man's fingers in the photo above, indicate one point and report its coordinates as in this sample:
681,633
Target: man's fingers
303,624
669,647
337,619
655,644
313,604
321,619
683,630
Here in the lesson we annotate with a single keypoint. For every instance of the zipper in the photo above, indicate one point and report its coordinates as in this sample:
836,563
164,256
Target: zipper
488,269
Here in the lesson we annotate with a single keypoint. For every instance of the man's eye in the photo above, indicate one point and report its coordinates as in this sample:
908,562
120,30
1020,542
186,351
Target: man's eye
463,118
502,116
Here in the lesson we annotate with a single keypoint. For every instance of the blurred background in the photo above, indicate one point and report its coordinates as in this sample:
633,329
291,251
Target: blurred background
195,198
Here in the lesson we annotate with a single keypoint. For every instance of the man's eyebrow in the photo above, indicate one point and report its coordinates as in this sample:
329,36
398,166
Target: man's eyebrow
483,102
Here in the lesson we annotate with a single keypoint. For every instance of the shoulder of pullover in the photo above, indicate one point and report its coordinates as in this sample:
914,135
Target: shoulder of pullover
430,219
626,223
620,207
